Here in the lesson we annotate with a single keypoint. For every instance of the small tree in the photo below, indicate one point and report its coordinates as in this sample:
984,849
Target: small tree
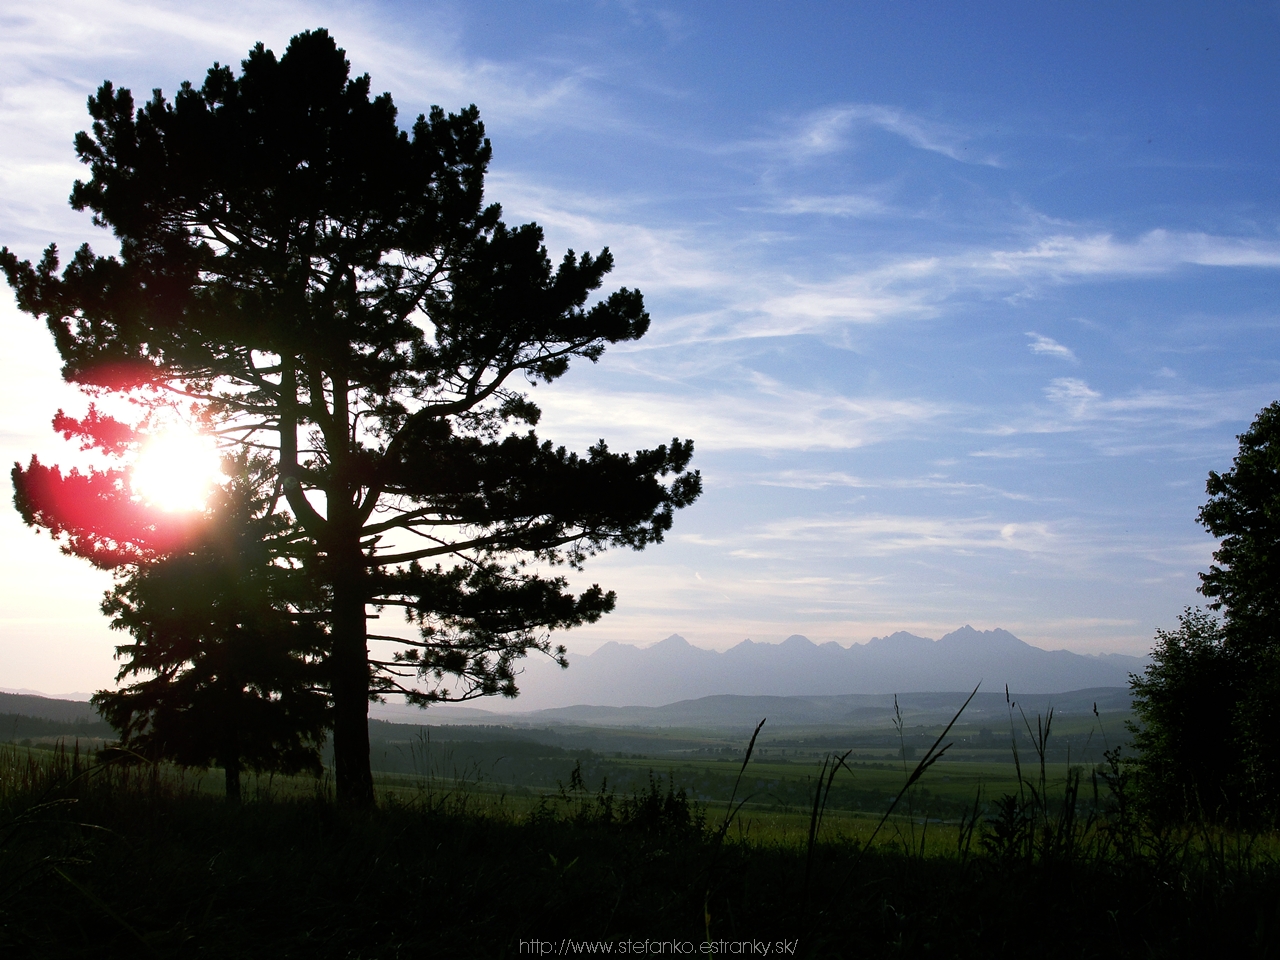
224,661
337,291
1210,702
224,666
1188,750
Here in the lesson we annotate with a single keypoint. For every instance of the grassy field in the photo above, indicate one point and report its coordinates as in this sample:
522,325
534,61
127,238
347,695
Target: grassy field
980,766
103,861
524,764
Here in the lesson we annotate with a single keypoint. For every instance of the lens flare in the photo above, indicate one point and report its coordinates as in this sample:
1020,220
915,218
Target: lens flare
176,470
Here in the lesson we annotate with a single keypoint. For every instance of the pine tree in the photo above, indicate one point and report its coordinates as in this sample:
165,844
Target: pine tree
338,293
225,659
224,664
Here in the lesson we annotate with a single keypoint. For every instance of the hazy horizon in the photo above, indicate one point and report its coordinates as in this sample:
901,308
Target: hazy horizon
508,706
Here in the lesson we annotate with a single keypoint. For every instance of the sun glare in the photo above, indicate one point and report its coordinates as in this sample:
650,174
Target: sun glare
176,470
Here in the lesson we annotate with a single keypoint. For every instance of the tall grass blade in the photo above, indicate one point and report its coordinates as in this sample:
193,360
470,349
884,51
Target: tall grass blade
932,756
732,811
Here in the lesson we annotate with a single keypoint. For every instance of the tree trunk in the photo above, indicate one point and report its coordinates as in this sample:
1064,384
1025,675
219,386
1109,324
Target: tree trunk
350,666
349,680
231,767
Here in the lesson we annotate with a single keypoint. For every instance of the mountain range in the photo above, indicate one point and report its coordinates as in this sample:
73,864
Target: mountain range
619,674
820,679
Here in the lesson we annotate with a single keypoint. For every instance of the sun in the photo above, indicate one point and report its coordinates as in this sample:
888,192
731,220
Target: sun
176,470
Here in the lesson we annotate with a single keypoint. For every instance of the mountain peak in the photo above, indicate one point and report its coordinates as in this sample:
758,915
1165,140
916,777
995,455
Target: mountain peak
675,640
997,639
898,640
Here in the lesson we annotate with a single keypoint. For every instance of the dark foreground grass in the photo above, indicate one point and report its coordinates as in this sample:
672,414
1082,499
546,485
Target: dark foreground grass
132,862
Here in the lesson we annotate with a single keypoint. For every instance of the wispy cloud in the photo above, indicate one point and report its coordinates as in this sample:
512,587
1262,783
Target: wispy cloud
770,416
819,480
1010,453
1157,251
1185,408
833,128
1049,347
1170,423
1084,547
872,296
834,205
919,287
876,534
658,258
922,288
1074,395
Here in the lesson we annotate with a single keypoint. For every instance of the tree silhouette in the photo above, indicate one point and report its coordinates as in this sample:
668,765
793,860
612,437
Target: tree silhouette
225,658
1243,512
337,292
1210,739
1186,742
226,668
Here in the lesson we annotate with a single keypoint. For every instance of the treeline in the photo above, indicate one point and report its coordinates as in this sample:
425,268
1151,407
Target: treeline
17,726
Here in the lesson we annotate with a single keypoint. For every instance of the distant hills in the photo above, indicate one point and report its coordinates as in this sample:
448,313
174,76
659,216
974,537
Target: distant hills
850,711
623,675
34,716
48,708
24,716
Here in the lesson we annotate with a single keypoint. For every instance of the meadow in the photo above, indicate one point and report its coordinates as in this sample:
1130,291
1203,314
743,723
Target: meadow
133,859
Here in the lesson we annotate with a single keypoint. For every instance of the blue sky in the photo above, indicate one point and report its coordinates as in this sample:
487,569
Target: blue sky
959,304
